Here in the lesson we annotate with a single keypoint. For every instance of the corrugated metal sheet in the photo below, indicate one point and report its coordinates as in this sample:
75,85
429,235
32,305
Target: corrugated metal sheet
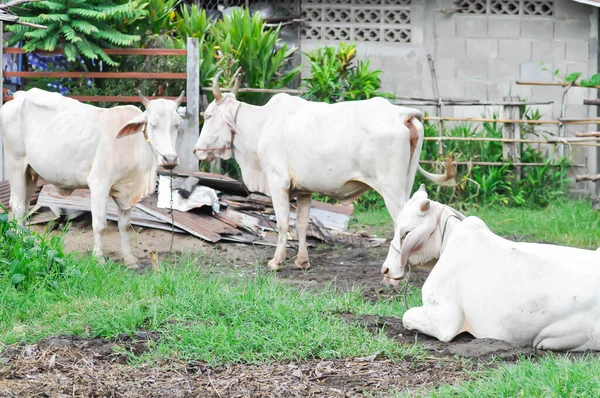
5,193
202,225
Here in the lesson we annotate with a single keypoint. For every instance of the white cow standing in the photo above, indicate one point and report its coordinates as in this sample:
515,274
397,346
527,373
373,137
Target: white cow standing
541,295
291,146
74,145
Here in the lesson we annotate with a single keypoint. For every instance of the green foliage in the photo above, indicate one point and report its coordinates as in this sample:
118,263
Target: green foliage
593,81
244,41
334,77
485,185
28,259
80,27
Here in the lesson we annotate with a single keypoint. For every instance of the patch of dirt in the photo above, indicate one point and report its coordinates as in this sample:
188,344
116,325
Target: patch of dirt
464,345
72,367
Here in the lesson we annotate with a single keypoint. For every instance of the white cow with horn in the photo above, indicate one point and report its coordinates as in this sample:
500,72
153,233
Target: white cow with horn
74,145
291,146
541,295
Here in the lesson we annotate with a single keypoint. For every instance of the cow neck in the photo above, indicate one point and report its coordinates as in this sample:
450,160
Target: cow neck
249,121
448,220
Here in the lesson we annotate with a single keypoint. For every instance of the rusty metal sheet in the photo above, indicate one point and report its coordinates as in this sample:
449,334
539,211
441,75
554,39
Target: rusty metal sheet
204,226
80,200
5,193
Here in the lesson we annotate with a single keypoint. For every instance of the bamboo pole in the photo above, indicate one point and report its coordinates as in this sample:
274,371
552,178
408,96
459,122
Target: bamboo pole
592,134
587,177
526,141
475,163
524,121
561,84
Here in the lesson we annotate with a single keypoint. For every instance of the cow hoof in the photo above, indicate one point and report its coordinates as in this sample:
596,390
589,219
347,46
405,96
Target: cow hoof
274,265
302,264
131,263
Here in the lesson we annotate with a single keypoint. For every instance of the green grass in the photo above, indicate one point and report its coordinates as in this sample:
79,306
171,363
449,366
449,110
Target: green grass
569,223
200,315
546,377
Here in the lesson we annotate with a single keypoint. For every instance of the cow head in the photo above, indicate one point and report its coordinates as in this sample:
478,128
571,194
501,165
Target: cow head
216,137
414,236
160,124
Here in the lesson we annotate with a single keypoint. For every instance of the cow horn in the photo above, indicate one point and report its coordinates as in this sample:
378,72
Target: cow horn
145,100
180,98
216,89
238,80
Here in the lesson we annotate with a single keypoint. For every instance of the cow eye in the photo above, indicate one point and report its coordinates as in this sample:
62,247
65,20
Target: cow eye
403,237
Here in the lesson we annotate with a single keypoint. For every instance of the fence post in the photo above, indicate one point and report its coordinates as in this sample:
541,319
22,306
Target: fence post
511,151
2,168
188,133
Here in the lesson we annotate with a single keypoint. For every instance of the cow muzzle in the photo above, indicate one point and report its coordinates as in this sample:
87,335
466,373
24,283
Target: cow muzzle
169,162
389,279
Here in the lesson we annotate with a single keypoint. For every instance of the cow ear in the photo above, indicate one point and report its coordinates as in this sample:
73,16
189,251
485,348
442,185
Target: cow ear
425,205
133,126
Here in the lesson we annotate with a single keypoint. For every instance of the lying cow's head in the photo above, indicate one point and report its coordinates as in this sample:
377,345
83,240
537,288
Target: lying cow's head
414,237
216,137
160,124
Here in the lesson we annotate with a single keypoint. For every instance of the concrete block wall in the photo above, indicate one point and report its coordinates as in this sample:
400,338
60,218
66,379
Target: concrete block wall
482,56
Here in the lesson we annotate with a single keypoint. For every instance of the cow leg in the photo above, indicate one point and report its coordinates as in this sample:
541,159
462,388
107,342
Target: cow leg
443,322
281,204
99,201
302,216
124,219
393,202
19,189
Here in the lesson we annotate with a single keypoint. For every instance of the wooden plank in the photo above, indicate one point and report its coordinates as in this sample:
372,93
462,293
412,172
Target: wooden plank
590,134
99,75
212,180
203,226
587,177
591,101
109,51
80,200
106,98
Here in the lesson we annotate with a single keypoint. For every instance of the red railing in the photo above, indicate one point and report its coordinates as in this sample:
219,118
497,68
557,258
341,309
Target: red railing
104,75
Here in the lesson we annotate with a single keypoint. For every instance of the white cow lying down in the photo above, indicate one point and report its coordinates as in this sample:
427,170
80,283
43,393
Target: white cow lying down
291,146
74,145
542,295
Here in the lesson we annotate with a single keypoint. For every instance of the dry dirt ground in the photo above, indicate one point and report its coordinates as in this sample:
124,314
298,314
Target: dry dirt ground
68,366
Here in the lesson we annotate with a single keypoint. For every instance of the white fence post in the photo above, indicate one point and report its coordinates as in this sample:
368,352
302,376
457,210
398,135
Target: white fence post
2,168
188,132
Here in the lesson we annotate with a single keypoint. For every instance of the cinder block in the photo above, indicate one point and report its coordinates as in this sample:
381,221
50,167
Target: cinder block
552,50
567,67
578,50
472,68
576,95
467,26
573,29
564,9
534,71
482,90
503,69
541,29
504,27
454,88
445,26
445,67
453,47
482,48
514,49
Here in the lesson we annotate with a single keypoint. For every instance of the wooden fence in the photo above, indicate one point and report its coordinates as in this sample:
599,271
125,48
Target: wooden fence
188,133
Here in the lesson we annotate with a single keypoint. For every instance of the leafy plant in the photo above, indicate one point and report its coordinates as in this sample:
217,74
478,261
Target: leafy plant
28,258
334,77
244,41
80,27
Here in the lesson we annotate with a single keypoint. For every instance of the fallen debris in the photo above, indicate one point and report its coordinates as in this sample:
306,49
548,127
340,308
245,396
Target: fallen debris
209,206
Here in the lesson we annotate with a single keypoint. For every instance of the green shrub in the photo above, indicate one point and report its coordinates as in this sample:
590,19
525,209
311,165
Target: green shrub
29,258
81,27
335,77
